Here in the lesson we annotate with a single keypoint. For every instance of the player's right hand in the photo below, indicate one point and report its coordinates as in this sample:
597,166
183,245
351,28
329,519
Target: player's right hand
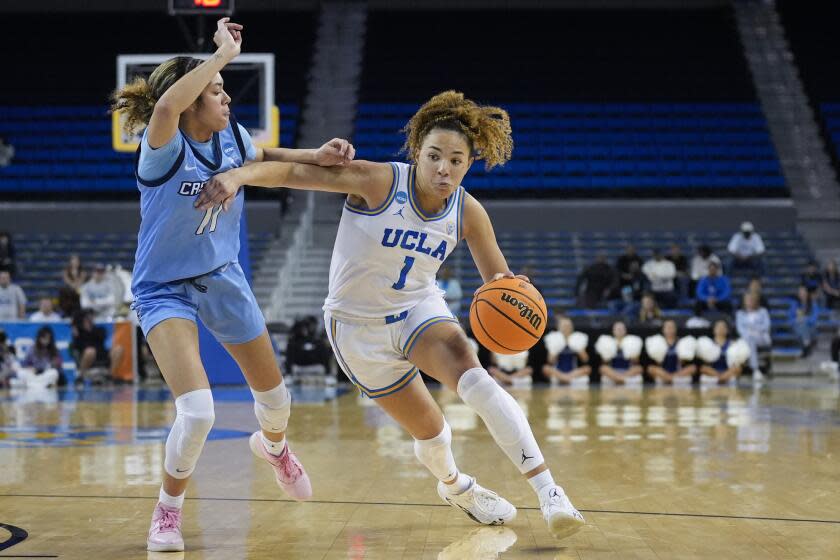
228,35
220,189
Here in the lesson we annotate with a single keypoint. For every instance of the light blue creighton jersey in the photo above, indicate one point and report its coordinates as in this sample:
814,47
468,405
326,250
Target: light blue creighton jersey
176,241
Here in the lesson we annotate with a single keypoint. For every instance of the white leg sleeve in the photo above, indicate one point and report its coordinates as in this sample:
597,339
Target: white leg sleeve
193,421
436,454
273,408
503,417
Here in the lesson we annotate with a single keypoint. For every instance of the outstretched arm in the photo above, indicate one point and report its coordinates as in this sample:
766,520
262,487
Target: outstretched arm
335,152
368,180
164,121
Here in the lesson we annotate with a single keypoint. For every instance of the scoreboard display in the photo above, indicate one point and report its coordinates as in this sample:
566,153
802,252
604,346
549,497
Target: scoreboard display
210,7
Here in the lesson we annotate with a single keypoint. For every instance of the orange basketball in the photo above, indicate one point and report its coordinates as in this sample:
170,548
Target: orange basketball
508,316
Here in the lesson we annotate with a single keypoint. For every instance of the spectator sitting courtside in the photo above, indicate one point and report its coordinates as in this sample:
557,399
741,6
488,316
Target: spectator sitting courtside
756,288
713,292
7,253
8,362
46,313
649,312
89,346
683,279
98,295
42,366
753,325
831,285
598,281
74,274
7,153
12,299
746,249
661,273
812,278
804,315
700,264
624,265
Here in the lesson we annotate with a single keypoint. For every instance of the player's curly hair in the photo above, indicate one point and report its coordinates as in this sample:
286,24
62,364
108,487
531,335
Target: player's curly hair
138,98
486,128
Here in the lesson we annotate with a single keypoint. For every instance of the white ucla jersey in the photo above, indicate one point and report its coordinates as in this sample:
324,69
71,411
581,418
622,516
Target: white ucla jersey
385,259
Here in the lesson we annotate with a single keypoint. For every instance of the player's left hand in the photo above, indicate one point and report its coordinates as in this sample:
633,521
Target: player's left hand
335,152
220,189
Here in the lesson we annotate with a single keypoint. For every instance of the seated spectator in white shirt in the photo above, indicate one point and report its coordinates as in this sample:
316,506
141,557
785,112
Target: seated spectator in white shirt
12,299
46,313
746,249
98,295
661,272
700,264
753,324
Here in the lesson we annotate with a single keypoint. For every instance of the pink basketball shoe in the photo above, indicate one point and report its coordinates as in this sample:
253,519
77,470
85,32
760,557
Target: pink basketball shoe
287,469
165,532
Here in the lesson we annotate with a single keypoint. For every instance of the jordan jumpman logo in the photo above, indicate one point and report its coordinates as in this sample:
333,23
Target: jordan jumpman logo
525,457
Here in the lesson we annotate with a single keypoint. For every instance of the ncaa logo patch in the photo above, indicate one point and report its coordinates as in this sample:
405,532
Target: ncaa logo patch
450,227
401,197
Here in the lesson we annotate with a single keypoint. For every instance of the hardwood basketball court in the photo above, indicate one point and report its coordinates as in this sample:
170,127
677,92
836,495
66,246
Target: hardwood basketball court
659,473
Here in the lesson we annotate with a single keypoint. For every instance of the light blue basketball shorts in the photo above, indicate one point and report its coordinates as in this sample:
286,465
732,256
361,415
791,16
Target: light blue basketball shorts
222,299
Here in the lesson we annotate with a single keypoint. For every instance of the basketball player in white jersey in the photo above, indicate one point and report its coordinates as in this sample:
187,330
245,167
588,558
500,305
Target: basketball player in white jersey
385,317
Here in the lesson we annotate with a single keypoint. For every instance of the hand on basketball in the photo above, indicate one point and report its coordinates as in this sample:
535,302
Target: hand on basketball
500,275
220,189
335,152
228,35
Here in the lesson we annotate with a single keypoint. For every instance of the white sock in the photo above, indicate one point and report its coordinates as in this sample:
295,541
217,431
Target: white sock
541,482
273,447
503,418
171,501
461,485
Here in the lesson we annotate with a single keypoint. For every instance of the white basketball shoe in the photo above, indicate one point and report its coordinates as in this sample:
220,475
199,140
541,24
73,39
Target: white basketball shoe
562,517
480,504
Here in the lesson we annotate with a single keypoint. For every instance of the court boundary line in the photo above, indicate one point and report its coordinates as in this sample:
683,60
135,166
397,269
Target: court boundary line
416,504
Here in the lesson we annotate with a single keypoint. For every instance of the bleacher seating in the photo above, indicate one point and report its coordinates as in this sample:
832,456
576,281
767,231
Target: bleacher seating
68,148
718,148
557,258
42,257
618,102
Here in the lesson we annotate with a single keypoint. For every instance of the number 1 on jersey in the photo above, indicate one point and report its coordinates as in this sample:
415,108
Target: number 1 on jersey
400,284
210,217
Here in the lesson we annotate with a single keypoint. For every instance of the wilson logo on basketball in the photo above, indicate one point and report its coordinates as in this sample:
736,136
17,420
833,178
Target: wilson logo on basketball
525,310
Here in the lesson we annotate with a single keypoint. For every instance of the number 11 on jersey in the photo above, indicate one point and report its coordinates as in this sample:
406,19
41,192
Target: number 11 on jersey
210,217
400,284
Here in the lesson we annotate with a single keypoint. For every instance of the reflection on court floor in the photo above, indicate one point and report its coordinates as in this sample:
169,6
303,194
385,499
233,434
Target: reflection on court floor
658,472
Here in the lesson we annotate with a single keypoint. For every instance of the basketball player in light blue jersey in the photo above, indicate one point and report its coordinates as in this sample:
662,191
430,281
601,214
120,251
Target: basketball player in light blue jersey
385,317
186,266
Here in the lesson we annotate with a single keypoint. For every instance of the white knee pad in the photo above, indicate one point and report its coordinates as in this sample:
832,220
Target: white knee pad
193,421
436,454
273,408
503,417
